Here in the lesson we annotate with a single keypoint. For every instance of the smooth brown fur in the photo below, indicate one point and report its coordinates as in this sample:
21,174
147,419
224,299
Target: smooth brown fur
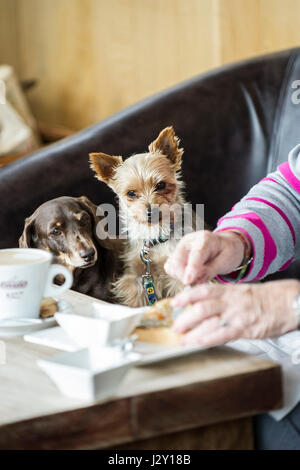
93,262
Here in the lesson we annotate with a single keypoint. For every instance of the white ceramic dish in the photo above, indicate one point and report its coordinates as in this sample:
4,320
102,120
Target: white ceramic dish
105,324
90,373
150,353
54,337
22,326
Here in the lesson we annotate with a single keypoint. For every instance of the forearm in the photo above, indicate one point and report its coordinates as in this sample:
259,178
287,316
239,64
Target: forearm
269,216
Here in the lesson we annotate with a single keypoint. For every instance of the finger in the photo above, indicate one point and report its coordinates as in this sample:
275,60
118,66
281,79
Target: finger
212,268
199,257
176,269
193,268
218,265
198,293
212,336
196,335
205,276
195,265
195,314
176,264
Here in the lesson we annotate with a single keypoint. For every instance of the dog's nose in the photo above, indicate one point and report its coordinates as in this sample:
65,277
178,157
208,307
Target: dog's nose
87,255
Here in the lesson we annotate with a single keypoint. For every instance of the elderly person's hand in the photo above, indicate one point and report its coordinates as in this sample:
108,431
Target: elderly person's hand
200,256
221,313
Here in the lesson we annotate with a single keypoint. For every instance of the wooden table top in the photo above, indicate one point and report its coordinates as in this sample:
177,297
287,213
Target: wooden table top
211,386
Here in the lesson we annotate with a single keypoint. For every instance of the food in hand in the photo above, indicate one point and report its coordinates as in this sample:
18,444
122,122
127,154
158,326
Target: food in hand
160,314
156,324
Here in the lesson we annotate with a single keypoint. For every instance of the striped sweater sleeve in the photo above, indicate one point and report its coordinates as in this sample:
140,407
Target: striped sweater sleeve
270,216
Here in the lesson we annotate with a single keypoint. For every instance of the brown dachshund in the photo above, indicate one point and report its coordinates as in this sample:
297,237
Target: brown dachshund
66,227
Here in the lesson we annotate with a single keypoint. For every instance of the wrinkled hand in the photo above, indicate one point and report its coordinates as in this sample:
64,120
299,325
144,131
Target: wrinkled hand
200,256
250,311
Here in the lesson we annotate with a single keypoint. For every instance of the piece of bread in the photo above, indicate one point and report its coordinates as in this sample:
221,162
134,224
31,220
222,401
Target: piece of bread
158,335
157,322
159,314
48,307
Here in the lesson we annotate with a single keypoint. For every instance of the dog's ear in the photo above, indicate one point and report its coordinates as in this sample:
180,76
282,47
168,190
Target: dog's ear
90,207
104,165
26,240
168,144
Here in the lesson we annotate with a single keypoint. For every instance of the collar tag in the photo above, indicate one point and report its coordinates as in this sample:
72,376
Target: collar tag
147,279
149,289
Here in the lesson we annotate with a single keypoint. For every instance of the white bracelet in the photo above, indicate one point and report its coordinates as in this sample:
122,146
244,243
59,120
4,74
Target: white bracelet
296,306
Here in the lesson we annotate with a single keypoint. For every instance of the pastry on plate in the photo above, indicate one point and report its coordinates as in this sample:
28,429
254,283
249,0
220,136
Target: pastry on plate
160,314
48,307
156,324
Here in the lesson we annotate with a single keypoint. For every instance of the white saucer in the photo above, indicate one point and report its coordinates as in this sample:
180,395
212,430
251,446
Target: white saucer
21,326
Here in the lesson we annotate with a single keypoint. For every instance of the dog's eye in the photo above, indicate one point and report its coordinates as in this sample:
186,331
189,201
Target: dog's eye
55,231
160,186
131,194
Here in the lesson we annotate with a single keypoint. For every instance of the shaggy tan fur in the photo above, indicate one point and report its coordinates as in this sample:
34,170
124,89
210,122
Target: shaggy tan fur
139,175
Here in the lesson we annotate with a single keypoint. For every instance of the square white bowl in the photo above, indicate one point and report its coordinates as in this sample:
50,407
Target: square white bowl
106,323
90,373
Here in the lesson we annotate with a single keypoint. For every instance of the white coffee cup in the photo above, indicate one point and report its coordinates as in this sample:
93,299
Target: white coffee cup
26,275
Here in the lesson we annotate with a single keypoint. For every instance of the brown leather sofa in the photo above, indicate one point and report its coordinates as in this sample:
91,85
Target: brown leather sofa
236,123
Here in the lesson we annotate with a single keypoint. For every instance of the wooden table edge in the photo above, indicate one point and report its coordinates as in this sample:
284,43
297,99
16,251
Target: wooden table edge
129,419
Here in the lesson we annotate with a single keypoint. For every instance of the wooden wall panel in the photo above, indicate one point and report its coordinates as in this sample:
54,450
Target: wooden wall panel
8,33
95,57
253,27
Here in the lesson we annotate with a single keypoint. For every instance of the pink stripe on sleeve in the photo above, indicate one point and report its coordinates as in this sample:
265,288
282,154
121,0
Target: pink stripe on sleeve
253,252
286,171
285,265
264,179
277,209
269,179
270,250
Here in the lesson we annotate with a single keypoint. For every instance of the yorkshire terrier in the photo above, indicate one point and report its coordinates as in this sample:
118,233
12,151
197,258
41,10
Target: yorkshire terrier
151,200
